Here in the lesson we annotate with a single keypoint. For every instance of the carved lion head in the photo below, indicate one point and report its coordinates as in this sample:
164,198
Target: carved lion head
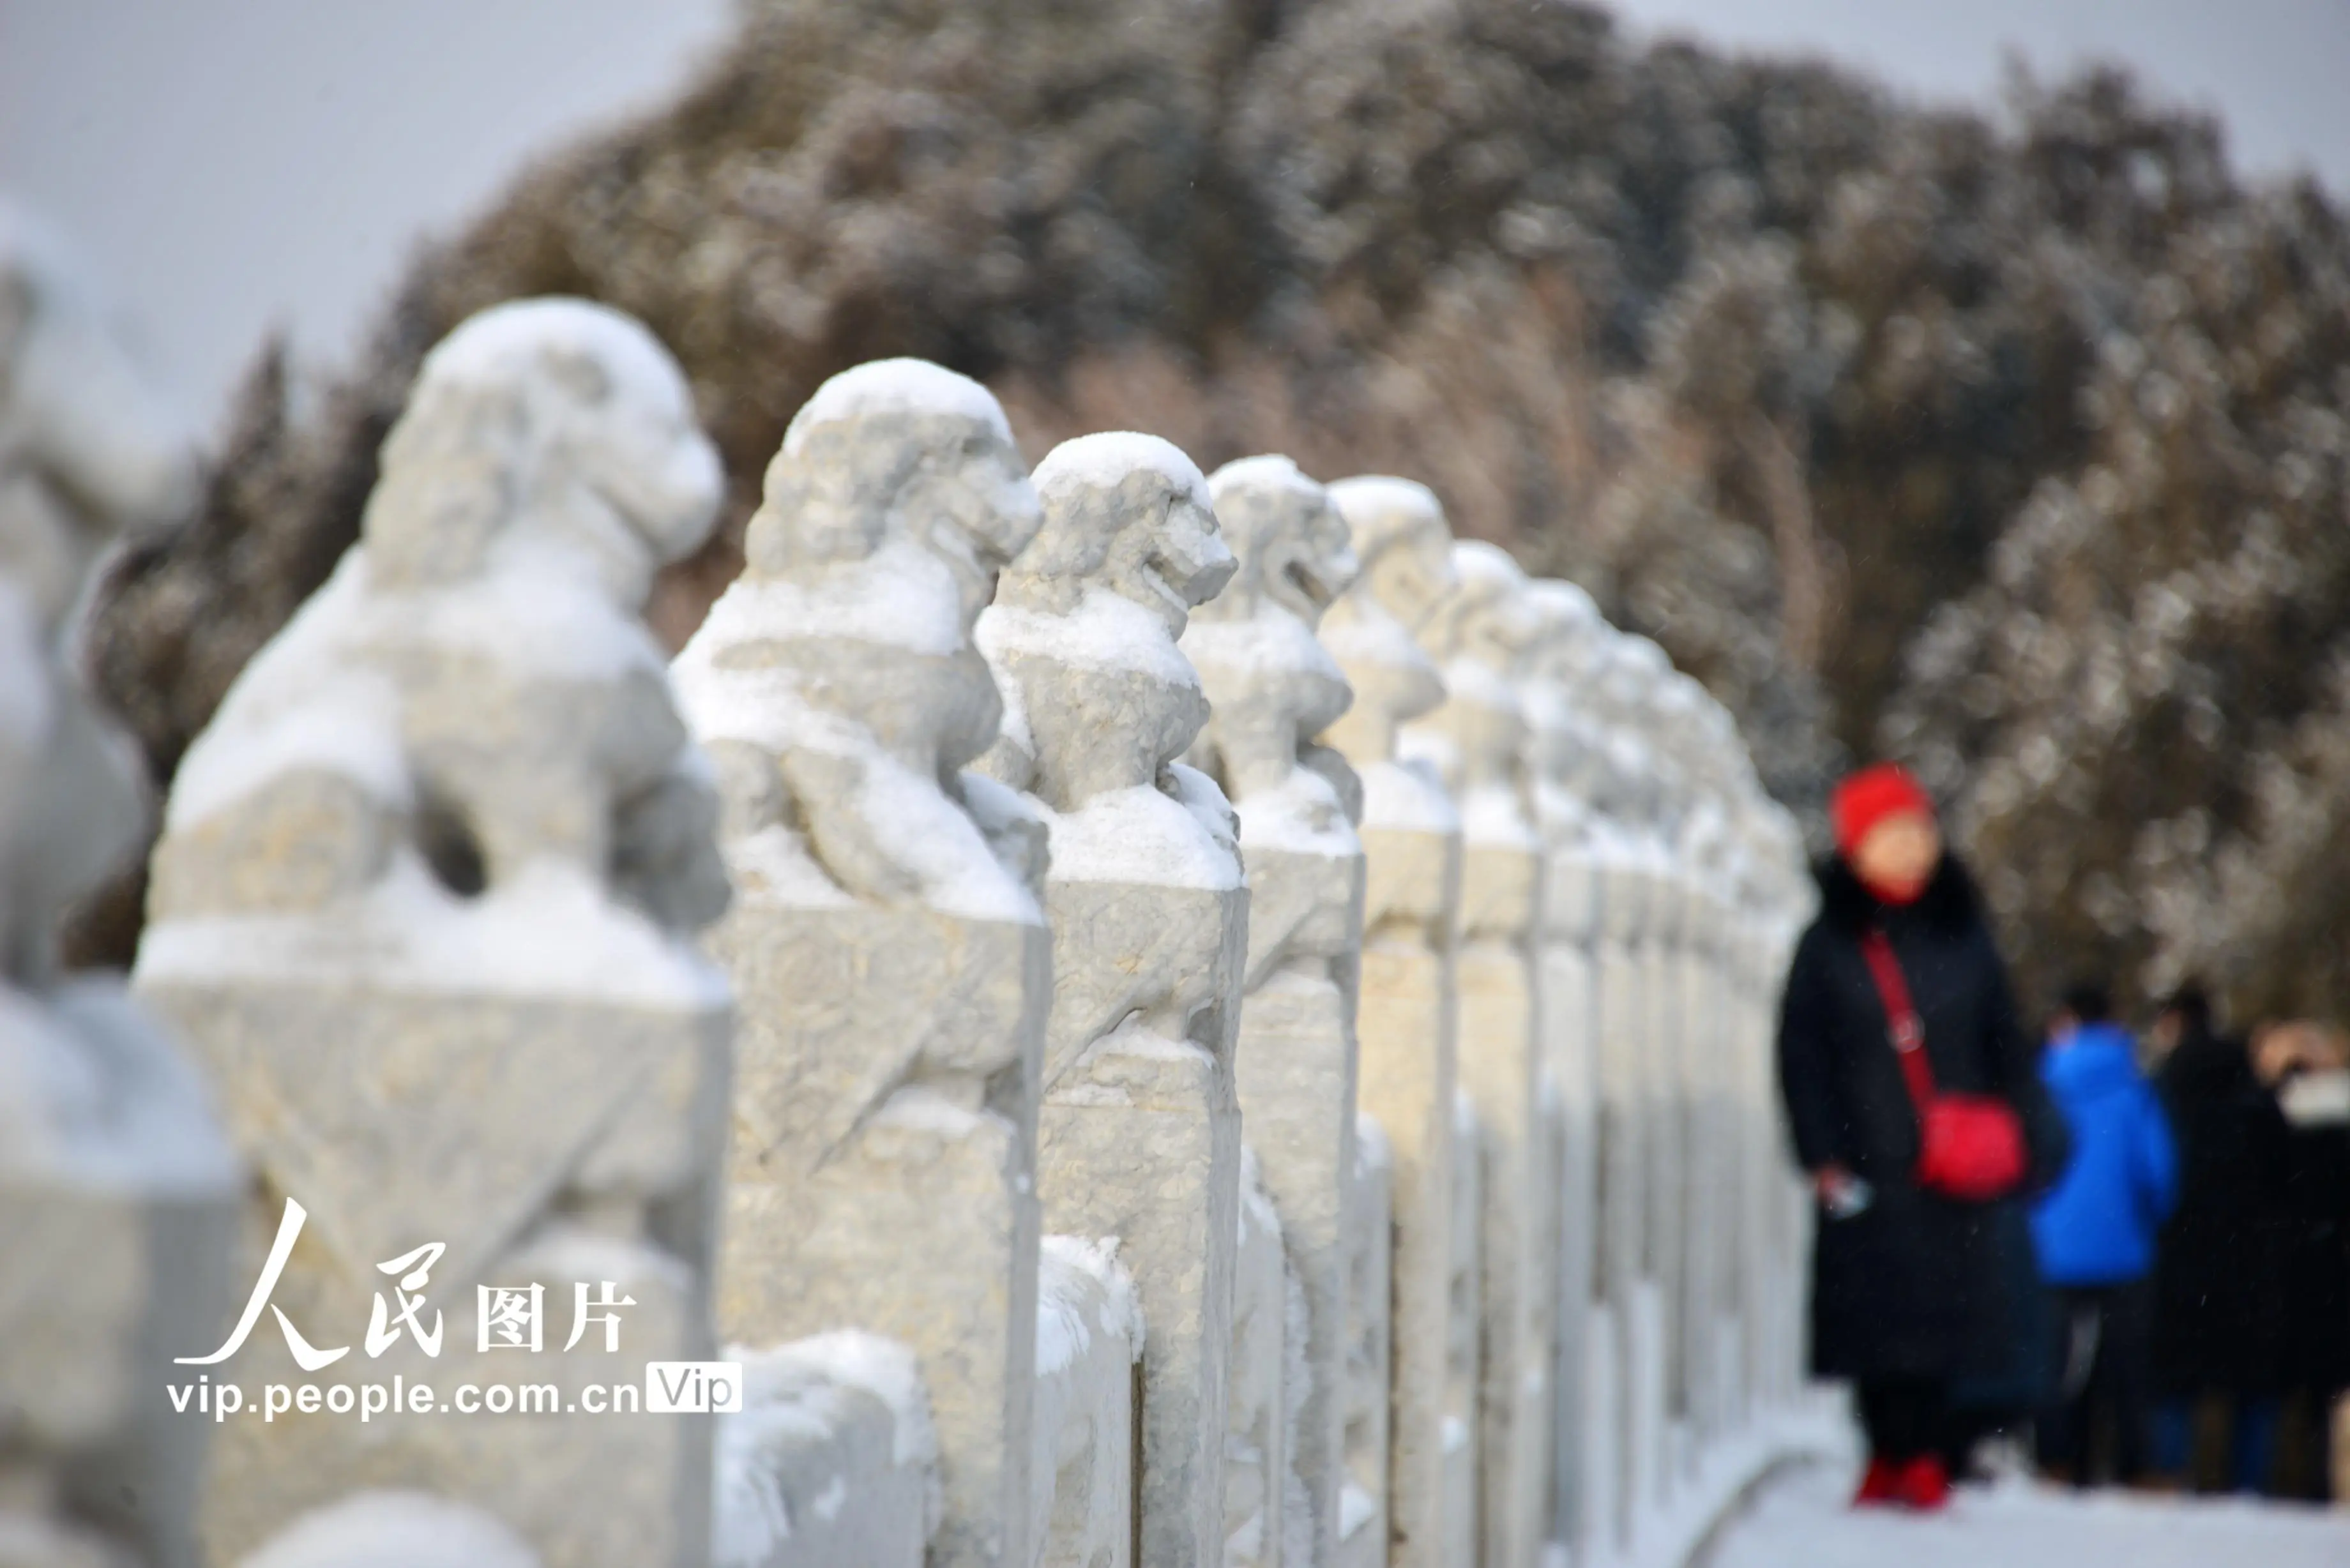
543,421
1291,543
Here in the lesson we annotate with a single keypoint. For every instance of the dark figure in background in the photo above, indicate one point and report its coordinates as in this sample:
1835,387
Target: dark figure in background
2307,1066
2095,1230
1911,1291
2219,1321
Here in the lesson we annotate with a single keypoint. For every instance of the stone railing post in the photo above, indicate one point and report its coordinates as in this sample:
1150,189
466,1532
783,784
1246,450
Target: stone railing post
1481,634
886,941
1139,1125
1411,840
1273,688
1788,908
1561,753
117,1192
1623,862
1696,830
1647,805
423,908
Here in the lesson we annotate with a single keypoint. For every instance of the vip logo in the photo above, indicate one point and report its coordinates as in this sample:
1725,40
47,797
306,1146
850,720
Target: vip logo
673,1387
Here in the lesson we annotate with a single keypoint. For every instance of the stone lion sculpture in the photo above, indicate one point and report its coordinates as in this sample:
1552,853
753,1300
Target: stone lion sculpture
1149,911
471,698
887,940
1273,689
835,684
423,907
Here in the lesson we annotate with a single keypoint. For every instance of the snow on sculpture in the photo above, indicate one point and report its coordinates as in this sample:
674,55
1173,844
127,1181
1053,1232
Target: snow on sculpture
886,941
1273,689
1139,1130
423,908
117,1191
1481,633
1403,1026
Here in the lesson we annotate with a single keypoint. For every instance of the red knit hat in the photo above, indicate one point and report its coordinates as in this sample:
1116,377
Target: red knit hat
1867,797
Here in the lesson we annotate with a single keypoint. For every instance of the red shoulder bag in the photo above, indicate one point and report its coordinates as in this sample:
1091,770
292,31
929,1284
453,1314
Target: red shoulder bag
1969,1147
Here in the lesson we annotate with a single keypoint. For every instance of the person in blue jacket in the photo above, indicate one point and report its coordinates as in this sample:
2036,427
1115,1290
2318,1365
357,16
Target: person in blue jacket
2094,1233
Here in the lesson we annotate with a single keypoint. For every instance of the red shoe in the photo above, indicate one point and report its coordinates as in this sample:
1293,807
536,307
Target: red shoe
1924,1484
1879,1486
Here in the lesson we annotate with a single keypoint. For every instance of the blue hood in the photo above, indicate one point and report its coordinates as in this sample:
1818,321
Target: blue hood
2100,1059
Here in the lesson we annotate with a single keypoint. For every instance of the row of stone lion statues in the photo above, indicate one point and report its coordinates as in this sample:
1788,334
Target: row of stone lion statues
1094,1015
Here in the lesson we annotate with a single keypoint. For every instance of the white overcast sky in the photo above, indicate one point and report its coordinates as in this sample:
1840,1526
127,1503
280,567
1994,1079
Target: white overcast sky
232,165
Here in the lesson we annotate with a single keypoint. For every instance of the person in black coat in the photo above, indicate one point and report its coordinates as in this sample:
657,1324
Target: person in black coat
1912,1291
2306,1065
2219,1285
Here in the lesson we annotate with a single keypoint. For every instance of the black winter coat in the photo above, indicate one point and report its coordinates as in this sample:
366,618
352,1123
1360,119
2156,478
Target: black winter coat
2317,1260
2220,1287
1916,1284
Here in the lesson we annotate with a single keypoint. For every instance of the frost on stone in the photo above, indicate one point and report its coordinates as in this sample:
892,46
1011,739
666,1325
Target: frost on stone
468,726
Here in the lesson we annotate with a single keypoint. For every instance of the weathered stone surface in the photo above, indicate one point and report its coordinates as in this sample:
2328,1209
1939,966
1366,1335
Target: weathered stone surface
1139,1128
1480,634
1273,689
422,908
886,940
117,1192
1412,907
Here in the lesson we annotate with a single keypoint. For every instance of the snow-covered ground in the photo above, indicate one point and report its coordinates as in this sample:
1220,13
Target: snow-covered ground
1801,1521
